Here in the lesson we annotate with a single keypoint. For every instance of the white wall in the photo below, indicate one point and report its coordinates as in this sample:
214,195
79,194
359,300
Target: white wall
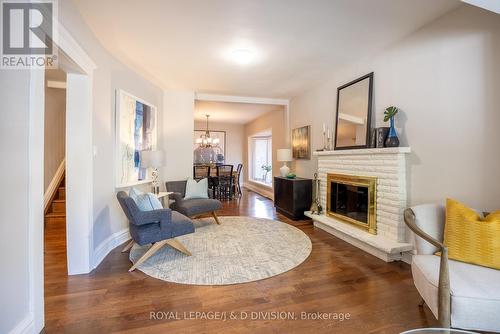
14,284
445,78
177,136
234,139
107,216
109,76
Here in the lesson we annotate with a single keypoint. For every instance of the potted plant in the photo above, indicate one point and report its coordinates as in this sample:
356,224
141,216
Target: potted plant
266,169
392,139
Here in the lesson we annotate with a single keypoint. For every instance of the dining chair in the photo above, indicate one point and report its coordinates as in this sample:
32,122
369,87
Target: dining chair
238,177
224,179
201,172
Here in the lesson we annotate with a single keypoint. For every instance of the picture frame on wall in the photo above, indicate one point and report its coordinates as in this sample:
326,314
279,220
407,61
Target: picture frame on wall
136,130
301,143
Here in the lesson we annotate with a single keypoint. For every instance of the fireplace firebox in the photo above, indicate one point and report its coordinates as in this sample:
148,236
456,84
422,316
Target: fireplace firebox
352,199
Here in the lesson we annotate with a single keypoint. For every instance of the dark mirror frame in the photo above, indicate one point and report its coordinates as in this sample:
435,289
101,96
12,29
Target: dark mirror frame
369,116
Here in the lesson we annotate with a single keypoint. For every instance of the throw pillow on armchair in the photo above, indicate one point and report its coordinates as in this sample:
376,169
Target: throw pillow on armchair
195,190
145,201
470,238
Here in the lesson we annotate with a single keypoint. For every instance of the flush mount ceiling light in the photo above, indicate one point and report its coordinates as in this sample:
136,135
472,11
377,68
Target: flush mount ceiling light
242,56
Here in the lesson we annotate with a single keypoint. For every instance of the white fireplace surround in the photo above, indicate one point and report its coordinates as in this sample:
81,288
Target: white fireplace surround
389,166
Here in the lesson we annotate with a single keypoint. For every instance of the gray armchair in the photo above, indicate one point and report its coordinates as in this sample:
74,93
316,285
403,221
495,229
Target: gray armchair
191,207
159,227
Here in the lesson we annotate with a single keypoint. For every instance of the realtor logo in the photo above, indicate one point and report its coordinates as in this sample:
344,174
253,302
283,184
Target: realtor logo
28,34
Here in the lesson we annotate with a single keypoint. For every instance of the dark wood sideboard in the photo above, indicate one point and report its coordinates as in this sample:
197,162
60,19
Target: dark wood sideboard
292,196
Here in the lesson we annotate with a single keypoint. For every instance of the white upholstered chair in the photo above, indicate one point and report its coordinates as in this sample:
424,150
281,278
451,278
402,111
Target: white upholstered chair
460,295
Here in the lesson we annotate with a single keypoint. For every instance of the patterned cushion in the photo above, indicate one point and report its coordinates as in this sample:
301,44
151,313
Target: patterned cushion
145,201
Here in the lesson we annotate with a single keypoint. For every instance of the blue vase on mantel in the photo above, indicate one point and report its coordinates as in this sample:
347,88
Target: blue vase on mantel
392,139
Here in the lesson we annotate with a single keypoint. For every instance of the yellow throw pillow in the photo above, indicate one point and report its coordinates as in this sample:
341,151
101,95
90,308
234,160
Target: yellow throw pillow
472,239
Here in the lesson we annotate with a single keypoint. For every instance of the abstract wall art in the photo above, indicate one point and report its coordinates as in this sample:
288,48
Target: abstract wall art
136,131
301,145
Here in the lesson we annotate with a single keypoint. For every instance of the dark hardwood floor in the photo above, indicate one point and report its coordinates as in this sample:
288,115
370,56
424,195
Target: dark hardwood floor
336,278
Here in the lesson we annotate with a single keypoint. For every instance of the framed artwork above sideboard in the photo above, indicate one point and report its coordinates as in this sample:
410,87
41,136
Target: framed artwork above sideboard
301,143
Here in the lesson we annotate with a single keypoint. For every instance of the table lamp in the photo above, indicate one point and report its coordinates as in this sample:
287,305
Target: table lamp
284,155
154,160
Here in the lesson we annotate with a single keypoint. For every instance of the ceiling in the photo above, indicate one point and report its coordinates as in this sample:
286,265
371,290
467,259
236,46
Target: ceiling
231,112
295,43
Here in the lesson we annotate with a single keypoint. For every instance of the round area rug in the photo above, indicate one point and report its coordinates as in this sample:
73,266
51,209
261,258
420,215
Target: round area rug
240,250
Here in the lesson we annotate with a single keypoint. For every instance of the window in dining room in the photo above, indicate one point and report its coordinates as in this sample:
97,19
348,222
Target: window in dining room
261,159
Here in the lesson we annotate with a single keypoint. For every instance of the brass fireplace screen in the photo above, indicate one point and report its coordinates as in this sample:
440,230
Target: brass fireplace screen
352,199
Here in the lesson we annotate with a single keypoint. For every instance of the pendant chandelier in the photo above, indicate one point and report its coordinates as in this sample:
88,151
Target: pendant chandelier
208,150
205,140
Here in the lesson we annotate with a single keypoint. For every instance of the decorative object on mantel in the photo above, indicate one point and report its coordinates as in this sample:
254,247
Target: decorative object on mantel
284,155
136,131
373,138
392,138
354,108
381,136
316,207
326,139
291,176
301,143
154,160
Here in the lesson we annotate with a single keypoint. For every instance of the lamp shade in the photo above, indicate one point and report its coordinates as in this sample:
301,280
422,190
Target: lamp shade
152,159
284,154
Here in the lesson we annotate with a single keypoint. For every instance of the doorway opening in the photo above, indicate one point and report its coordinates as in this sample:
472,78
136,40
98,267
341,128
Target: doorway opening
247,131
54,172
76,172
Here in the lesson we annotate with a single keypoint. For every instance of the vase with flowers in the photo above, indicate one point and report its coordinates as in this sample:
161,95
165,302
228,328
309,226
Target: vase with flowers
392,139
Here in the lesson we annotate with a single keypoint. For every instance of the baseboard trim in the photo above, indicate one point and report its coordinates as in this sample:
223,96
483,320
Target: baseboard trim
54,185
407,257
109,244
259,190
27,325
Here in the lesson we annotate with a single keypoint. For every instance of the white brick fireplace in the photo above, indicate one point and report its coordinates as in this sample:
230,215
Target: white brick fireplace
388,165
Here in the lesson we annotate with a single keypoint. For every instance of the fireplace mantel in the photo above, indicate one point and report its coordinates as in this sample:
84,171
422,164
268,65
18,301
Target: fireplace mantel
368,151
388,165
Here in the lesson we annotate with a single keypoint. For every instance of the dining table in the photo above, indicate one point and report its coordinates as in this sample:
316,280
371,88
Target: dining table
213,173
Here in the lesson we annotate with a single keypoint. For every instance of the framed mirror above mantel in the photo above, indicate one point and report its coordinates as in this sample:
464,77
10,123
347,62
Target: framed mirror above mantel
353,118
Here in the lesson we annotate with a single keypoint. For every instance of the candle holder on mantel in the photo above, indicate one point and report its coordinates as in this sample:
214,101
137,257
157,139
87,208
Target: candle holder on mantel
327,140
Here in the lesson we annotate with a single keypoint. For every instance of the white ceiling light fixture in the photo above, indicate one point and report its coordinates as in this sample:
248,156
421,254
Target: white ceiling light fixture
243,56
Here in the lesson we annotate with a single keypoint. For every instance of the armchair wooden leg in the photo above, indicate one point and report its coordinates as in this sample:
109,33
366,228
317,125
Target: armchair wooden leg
128,247
174,243
156,246
215,217
153,249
